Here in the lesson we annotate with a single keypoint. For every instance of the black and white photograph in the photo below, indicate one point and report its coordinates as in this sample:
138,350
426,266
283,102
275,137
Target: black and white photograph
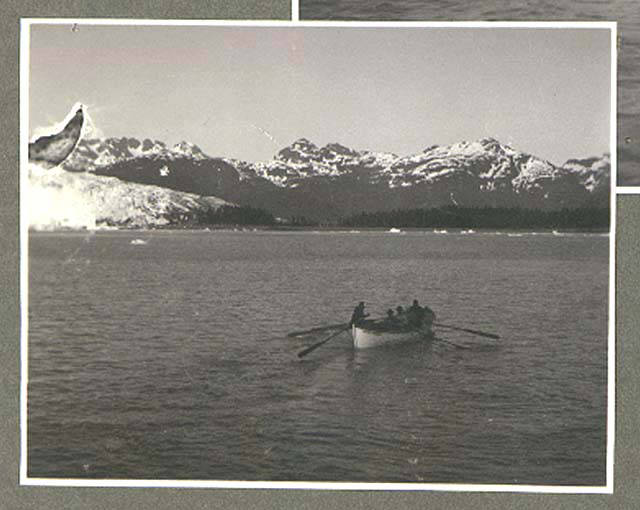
320,255
625,12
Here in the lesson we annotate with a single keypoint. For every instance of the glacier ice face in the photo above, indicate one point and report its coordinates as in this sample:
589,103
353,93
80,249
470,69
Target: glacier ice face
57,199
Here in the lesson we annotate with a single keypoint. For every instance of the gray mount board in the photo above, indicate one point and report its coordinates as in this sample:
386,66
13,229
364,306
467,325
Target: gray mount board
626,495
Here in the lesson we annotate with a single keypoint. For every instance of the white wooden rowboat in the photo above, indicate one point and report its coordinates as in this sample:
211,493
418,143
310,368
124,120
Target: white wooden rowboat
369,334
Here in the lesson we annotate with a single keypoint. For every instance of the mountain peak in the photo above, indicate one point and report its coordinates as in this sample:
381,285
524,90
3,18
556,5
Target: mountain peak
337,148
488,140
492,144
148,144
188,149
300,150
304,143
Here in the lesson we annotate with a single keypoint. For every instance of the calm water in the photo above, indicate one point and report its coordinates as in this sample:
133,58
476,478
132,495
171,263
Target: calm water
625,12
170,359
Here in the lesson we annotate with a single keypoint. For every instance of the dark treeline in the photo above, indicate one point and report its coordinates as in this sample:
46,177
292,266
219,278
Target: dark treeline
450,216
483,217
302,221
231,215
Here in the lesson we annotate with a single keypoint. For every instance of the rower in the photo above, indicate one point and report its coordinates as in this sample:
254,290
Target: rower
415,314
402,317
428,314
358,314
391,318
423,313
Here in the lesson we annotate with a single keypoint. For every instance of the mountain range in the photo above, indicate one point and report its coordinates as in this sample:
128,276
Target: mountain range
332,181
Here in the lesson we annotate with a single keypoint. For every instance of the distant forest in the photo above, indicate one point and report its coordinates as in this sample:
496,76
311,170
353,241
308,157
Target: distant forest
483,217
231,215
443,217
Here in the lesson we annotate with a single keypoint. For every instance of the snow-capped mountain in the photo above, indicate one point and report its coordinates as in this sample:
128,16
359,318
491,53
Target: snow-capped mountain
496,166
56,198
303,159
304,179
593,173
95,153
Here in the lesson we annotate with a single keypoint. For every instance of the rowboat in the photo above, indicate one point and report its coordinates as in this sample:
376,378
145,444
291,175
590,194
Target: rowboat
367,334
415,326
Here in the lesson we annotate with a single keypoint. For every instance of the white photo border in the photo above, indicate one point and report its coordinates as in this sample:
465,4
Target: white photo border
295,10
25,31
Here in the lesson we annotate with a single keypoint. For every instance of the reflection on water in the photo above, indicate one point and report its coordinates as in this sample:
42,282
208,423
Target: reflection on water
625,12
170,359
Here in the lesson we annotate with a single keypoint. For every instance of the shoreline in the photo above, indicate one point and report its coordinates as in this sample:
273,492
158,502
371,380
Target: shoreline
327,230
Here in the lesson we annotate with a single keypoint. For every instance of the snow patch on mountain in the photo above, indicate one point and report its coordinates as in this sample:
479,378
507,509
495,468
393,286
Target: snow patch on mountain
533,171
371,159
495,165
592,172
101,152
188,150
246,171
304,159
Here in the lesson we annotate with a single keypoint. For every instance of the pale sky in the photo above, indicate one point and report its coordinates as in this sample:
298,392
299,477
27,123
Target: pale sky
246,92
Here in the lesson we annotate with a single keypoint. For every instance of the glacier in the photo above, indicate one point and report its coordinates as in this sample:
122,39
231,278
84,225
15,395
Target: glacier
59,200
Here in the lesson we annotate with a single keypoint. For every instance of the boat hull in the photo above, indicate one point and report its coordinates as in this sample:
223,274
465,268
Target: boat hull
366,338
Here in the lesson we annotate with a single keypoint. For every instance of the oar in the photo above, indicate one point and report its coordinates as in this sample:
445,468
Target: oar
315,330
316,345
472,331
324,328
458,346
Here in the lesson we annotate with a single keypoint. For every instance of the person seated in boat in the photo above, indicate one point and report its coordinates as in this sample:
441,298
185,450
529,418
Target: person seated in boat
415,315
401,318
419,315
358,314
391,319
429,314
